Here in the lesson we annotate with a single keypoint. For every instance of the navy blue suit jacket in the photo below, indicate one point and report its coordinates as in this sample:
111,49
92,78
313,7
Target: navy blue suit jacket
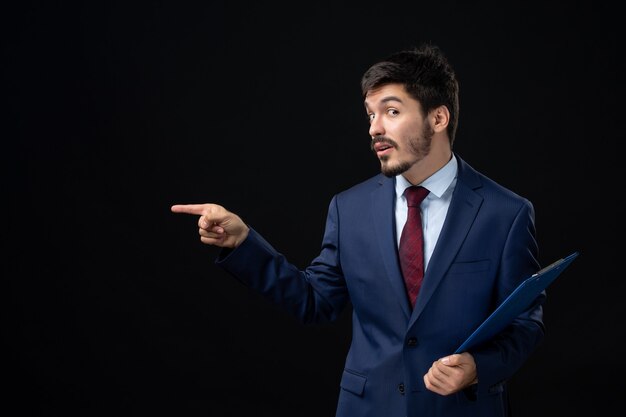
486,248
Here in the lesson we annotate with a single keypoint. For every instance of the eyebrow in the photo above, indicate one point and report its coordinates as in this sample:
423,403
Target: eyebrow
391,98
387,99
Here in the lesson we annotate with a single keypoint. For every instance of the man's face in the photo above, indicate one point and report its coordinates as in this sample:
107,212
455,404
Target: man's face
401,135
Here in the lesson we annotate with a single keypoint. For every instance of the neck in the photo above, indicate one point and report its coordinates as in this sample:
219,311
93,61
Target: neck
436,159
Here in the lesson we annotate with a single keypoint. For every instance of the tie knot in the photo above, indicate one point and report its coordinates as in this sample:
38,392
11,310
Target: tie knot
415,195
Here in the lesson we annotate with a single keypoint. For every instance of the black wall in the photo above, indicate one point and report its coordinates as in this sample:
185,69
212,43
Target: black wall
114,111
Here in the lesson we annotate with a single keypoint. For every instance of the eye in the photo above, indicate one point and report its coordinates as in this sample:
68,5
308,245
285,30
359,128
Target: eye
393,112
370,116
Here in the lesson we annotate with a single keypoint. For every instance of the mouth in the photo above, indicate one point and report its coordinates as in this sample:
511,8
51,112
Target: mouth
382,148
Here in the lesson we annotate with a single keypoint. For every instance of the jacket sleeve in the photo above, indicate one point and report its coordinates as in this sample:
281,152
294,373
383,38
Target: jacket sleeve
499,359
316,294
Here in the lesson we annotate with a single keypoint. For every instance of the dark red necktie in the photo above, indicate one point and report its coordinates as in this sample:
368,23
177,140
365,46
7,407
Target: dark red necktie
411,247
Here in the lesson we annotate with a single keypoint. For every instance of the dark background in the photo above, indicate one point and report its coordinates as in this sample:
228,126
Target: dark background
114,111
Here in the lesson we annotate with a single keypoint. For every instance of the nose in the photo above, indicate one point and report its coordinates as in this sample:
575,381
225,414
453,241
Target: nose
376,127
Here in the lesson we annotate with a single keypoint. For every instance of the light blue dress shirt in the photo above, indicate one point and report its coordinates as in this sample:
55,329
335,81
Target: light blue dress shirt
434,207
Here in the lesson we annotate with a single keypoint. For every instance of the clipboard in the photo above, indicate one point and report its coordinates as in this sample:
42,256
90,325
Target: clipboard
516,302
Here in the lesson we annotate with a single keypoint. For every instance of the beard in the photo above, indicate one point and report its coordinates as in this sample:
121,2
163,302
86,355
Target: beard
418,145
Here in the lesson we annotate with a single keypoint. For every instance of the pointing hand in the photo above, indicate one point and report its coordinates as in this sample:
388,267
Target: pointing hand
217,226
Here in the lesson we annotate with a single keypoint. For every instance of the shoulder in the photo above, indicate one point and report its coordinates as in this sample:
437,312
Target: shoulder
360,195
487,187
368,185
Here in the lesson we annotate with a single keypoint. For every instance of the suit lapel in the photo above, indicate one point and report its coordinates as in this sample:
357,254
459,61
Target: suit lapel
383,203
463,209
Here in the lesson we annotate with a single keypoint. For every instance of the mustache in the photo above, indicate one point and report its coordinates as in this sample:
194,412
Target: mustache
382,139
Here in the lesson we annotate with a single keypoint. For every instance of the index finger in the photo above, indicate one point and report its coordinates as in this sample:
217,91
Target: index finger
188,208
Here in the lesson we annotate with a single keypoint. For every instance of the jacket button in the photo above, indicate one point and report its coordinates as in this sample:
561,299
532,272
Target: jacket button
401,388
412,342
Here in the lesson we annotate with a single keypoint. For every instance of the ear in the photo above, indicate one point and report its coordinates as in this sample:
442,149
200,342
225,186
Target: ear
440,117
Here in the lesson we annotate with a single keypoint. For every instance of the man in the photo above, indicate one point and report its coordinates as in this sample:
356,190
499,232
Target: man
478,245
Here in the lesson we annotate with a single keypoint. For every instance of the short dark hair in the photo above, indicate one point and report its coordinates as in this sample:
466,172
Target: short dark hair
426,75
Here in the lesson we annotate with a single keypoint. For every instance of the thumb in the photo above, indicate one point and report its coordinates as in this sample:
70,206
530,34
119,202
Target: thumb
451,360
